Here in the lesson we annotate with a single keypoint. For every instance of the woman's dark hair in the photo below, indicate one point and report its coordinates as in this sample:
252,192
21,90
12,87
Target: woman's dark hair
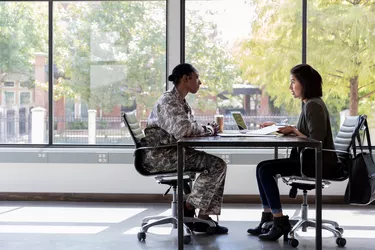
179,71
310,80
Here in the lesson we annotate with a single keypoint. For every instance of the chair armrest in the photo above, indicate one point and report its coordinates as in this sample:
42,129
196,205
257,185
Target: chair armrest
324,149
336,150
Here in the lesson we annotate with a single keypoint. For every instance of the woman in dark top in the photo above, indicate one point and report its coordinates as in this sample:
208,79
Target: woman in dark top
305,84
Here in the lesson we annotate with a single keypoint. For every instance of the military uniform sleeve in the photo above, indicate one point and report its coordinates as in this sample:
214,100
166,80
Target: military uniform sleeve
174,118
316,121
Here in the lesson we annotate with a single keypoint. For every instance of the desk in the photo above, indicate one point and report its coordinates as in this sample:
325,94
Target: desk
250,142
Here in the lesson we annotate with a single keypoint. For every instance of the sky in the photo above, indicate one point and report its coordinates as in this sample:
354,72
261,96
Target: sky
233,19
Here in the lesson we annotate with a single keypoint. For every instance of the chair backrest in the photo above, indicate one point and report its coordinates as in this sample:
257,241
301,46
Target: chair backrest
134,128
343,140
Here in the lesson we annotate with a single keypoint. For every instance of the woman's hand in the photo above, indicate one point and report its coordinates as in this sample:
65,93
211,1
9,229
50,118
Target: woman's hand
266,124
287,130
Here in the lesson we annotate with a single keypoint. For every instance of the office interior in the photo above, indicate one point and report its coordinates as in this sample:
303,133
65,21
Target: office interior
68,69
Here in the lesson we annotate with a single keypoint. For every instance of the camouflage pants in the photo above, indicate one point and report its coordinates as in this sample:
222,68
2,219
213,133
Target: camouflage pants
207,192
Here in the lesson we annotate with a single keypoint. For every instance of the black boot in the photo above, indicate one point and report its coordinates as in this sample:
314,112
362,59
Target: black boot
266,217
281,226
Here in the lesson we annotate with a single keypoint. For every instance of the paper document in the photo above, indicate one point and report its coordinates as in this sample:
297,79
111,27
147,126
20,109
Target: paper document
264,131
267,131
244,135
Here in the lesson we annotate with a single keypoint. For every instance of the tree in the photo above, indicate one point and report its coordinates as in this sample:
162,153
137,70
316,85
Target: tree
342,38
128,40
23,31
340,46
210,55
111,53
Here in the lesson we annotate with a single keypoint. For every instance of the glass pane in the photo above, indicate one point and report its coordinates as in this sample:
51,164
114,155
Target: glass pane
341,45
110,56
25,98
23,63
244,51
9,98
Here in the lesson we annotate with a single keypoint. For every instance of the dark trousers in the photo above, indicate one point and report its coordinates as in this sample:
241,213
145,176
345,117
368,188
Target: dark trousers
267,181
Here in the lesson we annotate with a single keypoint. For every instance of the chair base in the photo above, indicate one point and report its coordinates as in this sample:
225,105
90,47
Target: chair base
303,222
328,225
172,219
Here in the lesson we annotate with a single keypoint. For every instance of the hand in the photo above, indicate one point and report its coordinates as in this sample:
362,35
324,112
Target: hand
213,128
266,124
286,130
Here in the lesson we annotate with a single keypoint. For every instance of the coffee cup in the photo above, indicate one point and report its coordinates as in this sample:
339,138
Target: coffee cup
219,119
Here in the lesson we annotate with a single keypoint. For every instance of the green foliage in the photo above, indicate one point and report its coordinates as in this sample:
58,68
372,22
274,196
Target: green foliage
23,32
204,49
103,124
274,48
340,46
77,124
112,52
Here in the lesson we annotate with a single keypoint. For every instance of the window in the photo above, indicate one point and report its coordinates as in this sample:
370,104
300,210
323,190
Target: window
8,98
23,53
25,98
244,51
110,56
9,84
341,47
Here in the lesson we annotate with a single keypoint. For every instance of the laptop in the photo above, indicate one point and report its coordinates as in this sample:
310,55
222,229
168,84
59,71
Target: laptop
243,130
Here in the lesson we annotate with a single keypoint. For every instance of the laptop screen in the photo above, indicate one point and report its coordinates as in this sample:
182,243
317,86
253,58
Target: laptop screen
237,116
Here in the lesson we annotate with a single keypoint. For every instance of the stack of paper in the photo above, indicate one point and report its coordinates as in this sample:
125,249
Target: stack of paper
264,131
267,131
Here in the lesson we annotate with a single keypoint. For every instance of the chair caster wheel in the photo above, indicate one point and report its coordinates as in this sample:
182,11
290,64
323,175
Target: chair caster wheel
341,230
293,242
141,236
187,239
341,242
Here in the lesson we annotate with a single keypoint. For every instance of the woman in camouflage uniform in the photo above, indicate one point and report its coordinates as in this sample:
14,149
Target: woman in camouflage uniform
172,119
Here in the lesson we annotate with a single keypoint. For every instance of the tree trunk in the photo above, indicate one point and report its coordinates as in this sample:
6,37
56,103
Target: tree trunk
353,106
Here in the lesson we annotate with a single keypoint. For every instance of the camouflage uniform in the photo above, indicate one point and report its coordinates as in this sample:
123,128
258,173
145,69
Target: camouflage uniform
170,120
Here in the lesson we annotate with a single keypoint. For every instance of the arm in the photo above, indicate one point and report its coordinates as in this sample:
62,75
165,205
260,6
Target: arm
291,130
175,119
316,121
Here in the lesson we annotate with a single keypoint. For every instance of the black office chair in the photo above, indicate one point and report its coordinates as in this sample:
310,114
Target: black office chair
343,149
169,178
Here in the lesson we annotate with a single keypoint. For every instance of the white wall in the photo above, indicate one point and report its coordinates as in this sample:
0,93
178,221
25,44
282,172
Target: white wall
114,178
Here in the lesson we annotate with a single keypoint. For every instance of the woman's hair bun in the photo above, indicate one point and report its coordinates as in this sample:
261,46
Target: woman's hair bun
171,78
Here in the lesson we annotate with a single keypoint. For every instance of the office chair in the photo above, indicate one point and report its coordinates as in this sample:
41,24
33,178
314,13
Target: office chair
167,178
343,148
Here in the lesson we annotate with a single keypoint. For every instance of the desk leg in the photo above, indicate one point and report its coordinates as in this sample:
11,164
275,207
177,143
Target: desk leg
318,197
276,156
180,200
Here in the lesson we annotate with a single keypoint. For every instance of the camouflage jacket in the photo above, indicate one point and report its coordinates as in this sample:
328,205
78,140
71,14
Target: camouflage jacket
170,119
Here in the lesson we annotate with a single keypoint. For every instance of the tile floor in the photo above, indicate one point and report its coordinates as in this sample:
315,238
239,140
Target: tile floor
114,226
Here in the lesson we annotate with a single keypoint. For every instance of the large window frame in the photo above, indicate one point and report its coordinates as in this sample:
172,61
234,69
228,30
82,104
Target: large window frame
175,53
172,48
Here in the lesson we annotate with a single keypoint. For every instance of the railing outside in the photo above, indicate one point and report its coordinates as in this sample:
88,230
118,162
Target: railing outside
109,130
